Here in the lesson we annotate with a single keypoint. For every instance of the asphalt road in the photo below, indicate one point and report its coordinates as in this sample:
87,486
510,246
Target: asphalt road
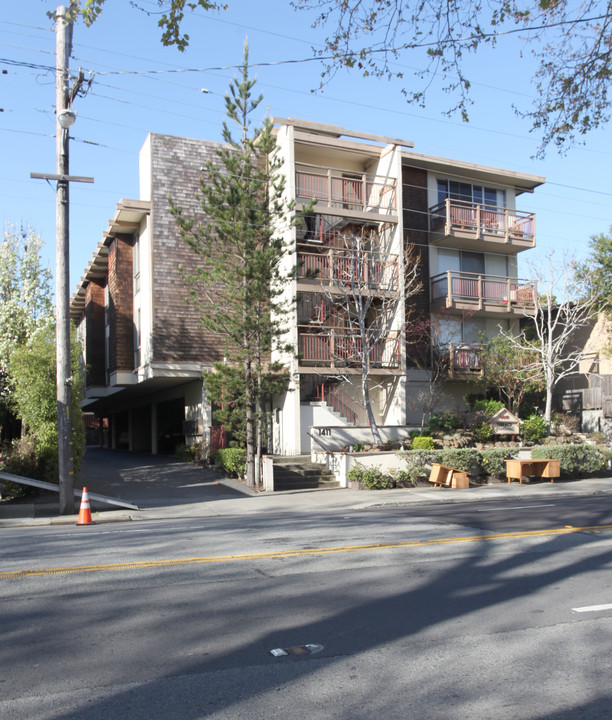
534,514
417,615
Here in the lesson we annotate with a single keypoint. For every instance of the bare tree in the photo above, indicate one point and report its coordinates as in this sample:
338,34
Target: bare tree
561,309
364,289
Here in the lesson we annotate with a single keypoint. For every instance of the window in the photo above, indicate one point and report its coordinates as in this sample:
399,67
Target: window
467,331
136,265
137,338
474,262
476,194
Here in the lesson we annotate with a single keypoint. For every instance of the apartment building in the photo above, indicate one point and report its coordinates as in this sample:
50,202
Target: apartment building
457,220
371,210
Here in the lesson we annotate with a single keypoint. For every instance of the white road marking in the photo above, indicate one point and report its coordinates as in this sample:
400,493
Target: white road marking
593,608
517,507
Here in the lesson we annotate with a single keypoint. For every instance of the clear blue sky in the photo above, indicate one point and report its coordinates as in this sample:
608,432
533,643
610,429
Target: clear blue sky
124,105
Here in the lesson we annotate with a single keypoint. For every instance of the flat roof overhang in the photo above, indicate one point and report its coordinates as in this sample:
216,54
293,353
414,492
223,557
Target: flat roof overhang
127,219
521,182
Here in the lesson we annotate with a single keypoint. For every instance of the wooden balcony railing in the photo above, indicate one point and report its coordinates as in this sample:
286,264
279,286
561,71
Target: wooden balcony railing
362,194
345,266
464,360
332,347
508,225
474,289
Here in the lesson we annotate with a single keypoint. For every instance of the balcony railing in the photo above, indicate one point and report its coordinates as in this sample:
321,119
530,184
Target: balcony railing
369,270
336,348
362,194
342,402
464,360
477,290
465,217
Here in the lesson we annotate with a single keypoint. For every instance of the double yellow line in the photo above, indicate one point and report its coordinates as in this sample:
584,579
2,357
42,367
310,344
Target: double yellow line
177,562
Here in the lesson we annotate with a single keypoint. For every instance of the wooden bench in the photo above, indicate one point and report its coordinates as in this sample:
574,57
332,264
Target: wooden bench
544,468
446,476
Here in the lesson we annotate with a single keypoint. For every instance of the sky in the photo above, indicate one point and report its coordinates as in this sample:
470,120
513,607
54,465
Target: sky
126,101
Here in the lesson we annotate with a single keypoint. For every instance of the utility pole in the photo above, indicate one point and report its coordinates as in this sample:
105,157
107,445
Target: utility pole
65,117
62,281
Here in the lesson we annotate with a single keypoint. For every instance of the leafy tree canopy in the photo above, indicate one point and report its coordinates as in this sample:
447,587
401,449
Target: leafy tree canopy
26,301
596,272
33,368
572,42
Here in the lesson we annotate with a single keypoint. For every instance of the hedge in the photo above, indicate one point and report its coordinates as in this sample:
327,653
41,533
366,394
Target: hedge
232,461
575,459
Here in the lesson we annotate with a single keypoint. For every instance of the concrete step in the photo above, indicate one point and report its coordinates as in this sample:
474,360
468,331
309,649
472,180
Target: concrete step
299,473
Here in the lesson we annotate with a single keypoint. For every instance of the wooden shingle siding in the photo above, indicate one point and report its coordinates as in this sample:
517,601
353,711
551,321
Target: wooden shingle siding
121,304
177,165
94,336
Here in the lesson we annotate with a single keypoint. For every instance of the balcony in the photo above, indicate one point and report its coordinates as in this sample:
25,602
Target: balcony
467,225
463,361
371,271
334,348
487,293
348,196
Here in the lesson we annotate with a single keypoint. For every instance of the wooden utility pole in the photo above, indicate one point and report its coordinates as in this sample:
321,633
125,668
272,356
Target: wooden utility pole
64,117
63,36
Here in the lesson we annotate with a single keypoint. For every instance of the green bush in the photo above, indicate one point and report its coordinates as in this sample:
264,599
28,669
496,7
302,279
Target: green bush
422,442
534,428
606,454
444,421
483,432
575,459
418,465
193,453
466,459
493,461
487,407
21,458
232,461
372,478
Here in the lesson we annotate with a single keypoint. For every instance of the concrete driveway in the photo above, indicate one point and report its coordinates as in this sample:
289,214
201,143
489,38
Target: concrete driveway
153,480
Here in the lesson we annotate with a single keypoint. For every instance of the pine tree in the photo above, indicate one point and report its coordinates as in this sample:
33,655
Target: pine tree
237,289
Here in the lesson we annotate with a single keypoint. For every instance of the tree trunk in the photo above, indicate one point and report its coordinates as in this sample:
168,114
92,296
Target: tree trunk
250,435
365,389
548,409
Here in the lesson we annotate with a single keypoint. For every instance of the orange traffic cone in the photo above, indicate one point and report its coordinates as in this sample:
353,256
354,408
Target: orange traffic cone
85,512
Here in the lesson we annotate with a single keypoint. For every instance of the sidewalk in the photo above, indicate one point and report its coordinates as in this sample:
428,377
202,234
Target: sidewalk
165,489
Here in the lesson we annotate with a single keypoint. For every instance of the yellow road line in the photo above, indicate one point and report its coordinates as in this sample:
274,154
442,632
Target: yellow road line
137,565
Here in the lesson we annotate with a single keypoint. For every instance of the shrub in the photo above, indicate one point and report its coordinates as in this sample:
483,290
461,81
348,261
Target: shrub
534,428
372,478
487,407
232,461
444,421
193,453
483,432
21,458
422,442
493,461
418,465
575,459
466,459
